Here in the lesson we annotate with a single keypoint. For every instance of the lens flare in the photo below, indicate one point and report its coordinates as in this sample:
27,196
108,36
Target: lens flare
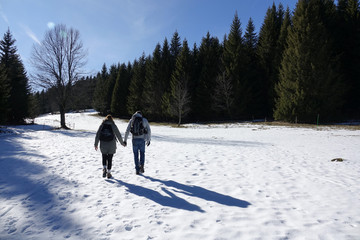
51,25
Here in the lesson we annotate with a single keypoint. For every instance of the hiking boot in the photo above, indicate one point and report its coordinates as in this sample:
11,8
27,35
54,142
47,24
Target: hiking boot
104,172
142,169
137,172
109,175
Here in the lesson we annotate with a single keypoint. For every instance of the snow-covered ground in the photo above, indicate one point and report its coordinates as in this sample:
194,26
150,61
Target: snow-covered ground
230,181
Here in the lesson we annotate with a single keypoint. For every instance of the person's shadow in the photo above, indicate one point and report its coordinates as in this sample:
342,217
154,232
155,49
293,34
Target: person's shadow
199,192
172,200
169,201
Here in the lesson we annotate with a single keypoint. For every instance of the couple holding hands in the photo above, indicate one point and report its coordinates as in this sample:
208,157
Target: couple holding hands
107,134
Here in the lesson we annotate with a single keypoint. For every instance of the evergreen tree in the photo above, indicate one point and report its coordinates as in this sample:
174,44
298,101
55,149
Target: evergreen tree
121,91
171,57
111,81
153,88
310,83
100,99
348,40
135,99
19,89
233,62
194,86
4,95
180,97
175,47
284,31
251,76
209,62
165,78
82,94
268,54
33,106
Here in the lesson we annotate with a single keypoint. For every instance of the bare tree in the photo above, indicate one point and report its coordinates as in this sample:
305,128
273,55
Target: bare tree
223,95
180,99
59,60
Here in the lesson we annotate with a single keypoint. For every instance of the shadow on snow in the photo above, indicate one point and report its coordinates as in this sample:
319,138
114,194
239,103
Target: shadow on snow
174,201
21,186
169,201
200,192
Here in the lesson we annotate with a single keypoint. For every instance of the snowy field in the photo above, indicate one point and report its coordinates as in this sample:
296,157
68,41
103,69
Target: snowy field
229,181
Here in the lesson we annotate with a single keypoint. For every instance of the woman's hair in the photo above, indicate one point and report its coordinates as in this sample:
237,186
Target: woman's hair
109,118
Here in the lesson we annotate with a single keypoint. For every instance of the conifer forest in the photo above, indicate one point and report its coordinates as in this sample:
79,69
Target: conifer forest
303,64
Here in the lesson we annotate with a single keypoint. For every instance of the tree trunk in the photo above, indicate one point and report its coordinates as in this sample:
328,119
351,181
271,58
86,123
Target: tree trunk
62,118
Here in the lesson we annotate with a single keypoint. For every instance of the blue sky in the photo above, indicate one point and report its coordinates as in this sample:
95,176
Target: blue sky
118,31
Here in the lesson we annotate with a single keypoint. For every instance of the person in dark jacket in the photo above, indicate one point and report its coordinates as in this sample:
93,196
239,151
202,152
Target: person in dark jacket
108,147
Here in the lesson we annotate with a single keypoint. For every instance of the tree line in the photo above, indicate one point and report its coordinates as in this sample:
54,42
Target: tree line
302,65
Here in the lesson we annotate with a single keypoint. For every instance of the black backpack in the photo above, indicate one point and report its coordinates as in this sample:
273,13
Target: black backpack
106,133
137,127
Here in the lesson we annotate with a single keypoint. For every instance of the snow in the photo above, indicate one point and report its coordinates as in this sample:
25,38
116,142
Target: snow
225,181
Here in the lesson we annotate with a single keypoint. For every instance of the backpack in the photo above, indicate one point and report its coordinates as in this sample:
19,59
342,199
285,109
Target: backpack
106,133
137,127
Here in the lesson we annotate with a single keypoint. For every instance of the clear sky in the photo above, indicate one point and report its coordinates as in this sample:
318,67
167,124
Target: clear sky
118,31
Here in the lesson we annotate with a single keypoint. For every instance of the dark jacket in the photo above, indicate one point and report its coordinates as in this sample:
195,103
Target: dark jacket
108,147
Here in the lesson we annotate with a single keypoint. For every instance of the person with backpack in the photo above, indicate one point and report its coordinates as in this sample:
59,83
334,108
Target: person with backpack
141,135
107,134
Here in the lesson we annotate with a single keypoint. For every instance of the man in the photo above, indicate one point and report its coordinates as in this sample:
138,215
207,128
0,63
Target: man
141,135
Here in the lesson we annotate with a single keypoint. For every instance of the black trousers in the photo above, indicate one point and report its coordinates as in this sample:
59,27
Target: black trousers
107,160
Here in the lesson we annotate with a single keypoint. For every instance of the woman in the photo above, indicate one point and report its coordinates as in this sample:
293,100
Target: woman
107,135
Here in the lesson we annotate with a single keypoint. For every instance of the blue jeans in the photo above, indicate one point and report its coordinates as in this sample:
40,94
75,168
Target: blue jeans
138,146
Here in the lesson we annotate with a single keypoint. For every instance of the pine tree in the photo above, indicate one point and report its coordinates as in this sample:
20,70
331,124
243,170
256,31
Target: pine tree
111,81
4,95
284,31
153,88
175,47
135,100
169,61
100,99
82,94
165,78
251,76
15,73
348,40
310,84
195,82
209,62
180,97
121,91
268,54
233,62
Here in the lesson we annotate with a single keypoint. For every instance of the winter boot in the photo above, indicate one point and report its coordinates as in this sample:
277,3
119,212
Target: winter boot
142,169
109,175
104,172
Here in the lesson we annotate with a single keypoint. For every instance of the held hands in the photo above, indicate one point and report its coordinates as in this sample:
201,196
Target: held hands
125,143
